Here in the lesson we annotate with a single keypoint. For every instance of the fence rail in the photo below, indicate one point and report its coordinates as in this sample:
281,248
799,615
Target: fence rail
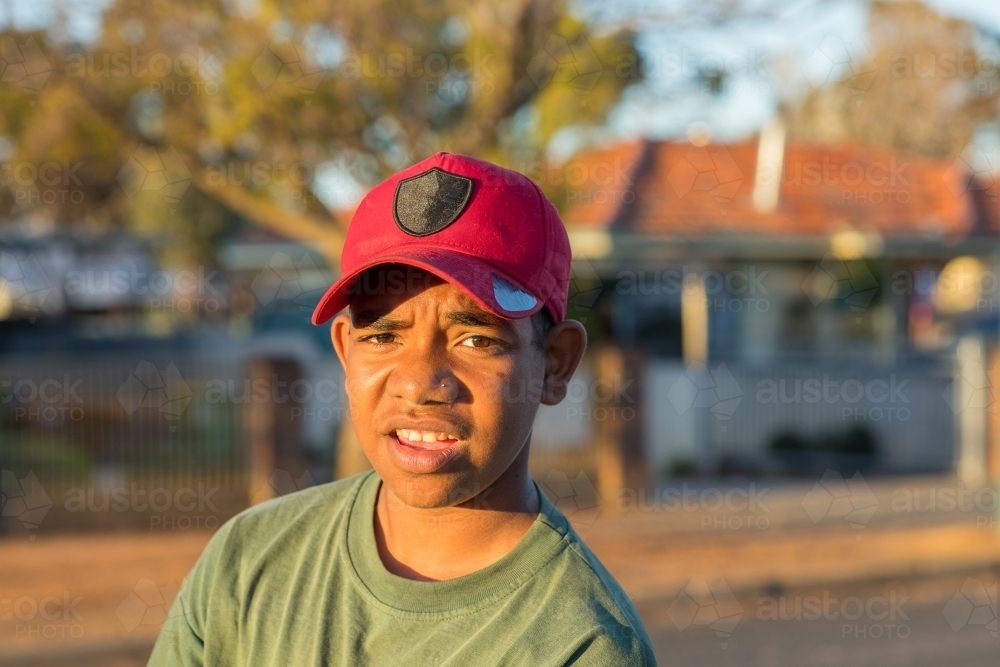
80,433
112,427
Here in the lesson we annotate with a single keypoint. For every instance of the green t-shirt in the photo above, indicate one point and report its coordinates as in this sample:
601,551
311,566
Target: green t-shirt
297,581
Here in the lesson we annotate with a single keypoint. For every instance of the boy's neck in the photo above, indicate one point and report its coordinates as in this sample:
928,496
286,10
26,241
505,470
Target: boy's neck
449,542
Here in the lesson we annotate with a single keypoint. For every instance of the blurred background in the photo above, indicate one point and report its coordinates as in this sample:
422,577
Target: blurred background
784,440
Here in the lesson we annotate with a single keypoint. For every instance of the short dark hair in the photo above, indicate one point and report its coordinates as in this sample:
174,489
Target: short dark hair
543,324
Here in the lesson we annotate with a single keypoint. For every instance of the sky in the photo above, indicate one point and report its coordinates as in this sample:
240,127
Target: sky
817,40
83,16
812,42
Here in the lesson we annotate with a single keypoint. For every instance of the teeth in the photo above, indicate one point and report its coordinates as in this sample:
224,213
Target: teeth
414,435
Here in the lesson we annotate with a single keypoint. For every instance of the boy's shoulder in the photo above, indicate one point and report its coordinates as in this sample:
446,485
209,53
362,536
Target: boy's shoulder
569,590
289,516
297,504
585,593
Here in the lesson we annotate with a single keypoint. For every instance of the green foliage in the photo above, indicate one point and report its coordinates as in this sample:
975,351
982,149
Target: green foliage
177,99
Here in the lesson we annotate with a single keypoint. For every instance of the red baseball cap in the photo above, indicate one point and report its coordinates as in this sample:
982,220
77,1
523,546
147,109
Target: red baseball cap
487,230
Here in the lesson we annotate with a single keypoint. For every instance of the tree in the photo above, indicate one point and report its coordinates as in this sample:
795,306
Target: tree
185,115
924,87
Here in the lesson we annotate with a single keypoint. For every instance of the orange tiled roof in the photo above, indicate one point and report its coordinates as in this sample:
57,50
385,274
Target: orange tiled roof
593,184
691,191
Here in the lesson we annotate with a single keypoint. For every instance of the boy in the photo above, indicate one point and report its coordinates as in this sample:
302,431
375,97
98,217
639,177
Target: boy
456,273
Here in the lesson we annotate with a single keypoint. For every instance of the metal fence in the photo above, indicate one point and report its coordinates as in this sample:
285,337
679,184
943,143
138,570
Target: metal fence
101,437
145,418
87,440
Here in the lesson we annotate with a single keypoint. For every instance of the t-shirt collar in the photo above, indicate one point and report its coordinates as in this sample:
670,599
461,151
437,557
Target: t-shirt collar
543,540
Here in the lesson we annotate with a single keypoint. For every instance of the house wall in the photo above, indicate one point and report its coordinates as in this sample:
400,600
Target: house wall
733,412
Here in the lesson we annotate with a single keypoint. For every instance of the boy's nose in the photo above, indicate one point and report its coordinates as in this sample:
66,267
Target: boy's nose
422,384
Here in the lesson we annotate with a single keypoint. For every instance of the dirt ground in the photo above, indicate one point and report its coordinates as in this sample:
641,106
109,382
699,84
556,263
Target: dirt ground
78,594
100,599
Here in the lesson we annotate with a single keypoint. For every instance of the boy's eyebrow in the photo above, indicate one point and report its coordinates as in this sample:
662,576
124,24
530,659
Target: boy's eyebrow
374,320
379,322
477,319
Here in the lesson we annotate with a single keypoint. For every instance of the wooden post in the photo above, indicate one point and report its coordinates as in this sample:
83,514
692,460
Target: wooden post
275,460
993,428
350,458
260,429
973,421
617,416
993,415
694,319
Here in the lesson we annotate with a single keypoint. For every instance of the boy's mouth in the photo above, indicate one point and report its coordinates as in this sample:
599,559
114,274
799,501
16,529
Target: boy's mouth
421,452
425,440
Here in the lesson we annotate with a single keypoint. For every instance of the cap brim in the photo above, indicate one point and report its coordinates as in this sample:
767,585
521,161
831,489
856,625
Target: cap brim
490,288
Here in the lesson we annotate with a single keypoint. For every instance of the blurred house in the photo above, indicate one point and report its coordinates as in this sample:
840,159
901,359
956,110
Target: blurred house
761,307
797,307
116,369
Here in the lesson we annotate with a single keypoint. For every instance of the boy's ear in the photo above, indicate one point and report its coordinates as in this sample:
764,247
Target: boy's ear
340,330
564,348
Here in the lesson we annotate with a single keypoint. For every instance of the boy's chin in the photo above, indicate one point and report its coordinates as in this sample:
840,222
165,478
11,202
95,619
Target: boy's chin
434,491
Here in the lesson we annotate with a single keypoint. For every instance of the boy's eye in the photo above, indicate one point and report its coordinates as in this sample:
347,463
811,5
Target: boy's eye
477,341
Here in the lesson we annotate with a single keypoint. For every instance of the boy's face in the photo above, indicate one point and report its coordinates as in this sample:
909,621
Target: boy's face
443,393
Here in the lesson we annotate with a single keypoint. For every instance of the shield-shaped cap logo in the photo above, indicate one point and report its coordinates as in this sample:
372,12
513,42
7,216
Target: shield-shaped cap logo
429,202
